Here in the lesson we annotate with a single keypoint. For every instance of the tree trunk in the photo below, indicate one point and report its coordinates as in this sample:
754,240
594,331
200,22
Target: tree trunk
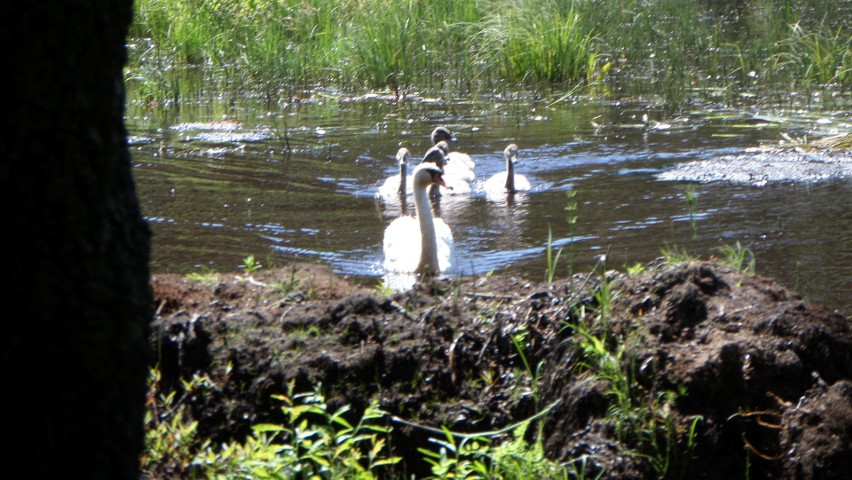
74,350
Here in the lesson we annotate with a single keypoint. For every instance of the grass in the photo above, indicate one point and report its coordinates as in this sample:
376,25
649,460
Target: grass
641,417
552,260
739,257
206,276
821,56
283,48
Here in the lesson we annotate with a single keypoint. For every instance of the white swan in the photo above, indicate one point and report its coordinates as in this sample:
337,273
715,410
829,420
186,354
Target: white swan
460,161
421,245
457,176
507,181
398,185
436,156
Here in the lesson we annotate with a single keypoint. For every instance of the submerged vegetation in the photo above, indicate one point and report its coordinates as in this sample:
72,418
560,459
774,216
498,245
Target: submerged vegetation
283,48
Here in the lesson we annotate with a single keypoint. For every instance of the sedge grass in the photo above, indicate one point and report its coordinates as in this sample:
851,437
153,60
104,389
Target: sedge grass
671,47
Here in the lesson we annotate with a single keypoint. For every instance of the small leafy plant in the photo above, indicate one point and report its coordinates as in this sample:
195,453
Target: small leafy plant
250,264
313,442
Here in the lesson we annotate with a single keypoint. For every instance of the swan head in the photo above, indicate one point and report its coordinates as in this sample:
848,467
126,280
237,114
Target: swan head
511,153
444,147
428,173
434,155
403,156
441,133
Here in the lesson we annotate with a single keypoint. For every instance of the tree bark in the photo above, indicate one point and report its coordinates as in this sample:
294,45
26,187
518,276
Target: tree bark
74,351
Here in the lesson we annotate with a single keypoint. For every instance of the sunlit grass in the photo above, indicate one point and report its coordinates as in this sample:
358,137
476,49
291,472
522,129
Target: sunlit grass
823,56
282,47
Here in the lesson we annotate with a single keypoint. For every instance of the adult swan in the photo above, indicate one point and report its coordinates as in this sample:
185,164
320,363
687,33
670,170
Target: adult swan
421,245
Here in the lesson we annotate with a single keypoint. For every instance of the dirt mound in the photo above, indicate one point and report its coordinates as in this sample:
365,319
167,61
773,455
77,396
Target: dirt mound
692,369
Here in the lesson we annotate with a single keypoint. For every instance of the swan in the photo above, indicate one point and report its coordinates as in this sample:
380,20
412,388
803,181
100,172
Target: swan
508,181
462,161
421,245
398,185
457,177
435,155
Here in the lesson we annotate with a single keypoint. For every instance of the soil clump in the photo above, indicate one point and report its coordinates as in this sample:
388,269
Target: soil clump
722,373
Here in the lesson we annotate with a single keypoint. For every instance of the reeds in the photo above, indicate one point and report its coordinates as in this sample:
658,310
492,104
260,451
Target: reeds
466,44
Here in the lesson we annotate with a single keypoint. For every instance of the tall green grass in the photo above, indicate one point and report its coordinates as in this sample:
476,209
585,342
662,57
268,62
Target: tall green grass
284,46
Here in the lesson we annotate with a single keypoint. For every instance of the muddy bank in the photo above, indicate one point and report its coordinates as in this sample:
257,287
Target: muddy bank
734,369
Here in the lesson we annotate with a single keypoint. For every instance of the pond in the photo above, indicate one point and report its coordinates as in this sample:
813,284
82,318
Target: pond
297,180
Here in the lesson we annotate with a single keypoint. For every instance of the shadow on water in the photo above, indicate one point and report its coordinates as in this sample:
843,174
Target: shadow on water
289,183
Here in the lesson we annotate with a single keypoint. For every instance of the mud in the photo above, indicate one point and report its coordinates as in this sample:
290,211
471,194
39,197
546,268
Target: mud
764,378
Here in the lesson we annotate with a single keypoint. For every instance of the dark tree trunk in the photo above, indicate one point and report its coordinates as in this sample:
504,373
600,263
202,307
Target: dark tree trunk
74,351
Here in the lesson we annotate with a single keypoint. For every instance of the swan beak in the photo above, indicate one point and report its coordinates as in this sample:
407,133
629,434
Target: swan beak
438,178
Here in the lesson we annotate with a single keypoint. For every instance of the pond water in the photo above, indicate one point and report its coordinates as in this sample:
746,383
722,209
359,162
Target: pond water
299,181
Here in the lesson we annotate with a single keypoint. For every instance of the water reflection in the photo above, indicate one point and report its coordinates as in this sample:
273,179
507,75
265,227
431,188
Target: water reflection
214,197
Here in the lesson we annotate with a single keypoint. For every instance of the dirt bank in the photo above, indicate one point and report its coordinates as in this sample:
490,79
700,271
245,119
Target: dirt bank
736,364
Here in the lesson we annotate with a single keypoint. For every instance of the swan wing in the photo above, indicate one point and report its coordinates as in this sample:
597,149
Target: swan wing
463,159
445,245
401,245
522,184
495,184
459,186
457,169
389,188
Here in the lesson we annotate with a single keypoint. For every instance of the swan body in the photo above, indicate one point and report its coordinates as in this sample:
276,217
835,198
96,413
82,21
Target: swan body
456,170
461,161
435,155
508,181
421,245
398,185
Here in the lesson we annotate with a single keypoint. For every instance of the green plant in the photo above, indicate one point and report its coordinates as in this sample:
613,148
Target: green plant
739,257
692,205
571,213
823,56
313,442
674,255
206,276
288,286
635,269
171,439
474,456
383,289
519,337
552,261
250,265
640,417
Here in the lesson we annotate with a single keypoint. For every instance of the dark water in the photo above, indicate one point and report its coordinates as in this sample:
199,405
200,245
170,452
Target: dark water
215,192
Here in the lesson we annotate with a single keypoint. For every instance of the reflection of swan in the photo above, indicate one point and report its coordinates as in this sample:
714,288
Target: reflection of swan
421,245
399,184
462,160
507,181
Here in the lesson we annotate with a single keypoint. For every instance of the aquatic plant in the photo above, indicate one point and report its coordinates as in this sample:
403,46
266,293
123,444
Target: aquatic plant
177,47
538,42
823,56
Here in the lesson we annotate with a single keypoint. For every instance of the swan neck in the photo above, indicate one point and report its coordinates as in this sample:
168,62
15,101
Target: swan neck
428,240
403,171
510,174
